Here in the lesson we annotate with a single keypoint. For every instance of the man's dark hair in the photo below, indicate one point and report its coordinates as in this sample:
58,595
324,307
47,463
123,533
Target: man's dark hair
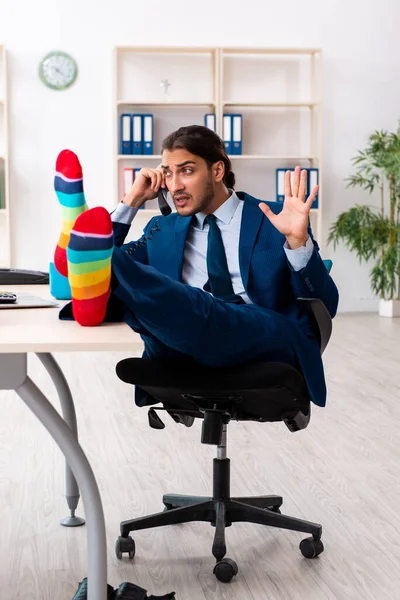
203,142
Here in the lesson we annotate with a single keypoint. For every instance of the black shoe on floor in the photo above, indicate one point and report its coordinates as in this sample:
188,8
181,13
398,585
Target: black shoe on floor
126,591
130,591
81,593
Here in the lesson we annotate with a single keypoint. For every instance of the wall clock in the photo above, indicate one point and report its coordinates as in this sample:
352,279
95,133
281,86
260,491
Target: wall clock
58,70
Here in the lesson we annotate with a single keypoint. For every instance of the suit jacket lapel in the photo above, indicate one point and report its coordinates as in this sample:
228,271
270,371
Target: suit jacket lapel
182,225
251,221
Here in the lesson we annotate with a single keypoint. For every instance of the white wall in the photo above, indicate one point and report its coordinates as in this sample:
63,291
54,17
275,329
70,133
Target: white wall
361,47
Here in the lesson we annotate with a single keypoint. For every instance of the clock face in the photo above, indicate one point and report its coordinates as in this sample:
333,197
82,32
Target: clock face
58,70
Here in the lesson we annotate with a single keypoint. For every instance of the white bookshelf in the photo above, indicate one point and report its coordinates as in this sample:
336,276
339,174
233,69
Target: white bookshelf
277,91
5,242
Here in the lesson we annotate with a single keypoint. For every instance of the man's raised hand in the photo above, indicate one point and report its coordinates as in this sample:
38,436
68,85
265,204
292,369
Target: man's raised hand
292,221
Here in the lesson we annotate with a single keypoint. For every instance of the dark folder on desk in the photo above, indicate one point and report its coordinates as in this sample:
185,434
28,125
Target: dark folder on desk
22,277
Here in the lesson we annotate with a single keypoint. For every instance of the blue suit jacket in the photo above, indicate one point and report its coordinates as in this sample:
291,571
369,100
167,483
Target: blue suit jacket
268,277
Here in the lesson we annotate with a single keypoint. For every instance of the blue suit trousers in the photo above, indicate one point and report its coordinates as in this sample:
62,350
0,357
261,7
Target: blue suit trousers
176,320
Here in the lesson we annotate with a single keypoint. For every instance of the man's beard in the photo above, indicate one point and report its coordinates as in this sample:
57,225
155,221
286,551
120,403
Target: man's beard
201,202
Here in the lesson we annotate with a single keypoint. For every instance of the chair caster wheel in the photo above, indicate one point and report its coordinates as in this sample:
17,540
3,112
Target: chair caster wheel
311,548
225,570
125,544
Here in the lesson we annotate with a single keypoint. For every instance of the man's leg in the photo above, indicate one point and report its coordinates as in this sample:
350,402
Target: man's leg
176,319
173,318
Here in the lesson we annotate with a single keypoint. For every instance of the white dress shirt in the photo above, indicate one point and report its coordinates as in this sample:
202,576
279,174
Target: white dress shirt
229,218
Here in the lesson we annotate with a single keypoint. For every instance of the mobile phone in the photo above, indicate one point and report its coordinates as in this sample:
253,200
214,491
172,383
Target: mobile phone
162,202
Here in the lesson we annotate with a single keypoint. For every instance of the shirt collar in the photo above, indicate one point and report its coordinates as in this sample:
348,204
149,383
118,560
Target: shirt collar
224,213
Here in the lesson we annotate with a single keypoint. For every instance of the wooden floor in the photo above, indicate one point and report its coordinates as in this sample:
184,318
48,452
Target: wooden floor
343,471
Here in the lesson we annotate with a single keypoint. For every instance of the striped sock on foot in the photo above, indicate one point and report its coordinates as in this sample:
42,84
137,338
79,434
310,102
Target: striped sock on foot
89,252
68,184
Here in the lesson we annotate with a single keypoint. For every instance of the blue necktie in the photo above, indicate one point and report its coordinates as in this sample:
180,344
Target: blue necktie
219,280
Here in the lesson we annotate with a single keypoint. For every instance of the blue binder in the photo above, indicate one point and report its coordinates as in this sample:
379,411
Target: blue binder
147,134
312,180
280,183
125,134
209,121
227,133
236,134
137,134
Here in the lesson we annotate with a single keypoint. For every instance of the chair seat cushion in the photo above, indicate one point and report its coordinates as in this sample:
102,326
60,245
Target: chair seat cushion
260,389
246,376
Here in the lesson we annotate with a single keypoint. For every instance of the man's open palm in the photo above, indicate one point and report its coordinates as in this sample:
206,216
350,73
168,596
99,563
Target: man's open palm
292,221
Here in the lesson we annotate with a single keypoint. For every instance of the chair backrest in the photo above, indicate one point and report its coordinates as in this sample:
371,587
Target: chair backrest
321,319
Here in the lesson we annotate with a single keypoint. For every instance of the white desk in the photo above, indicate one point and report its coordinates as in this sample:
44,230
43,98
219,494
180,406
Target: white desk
40,331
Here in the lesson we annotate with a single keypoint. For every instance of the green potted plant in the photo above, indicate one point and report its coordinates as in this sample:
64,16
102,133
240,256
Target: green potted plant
374,232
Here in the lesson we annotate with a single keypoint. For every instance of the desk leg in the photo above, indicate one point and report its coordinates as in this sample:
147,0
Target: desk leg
66,440
69,416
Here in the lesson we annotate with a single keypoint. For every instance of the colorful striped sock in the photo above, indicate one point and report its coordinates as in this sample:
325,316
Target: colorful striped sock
68,184
89,252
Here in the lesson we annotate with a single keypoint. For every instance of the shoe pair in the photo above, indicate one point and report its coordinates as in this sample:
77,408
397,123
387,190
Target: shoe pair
126,591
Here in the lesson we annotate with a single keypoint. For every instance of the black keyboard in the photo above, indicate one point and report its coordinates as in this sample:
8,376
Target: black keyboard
22,277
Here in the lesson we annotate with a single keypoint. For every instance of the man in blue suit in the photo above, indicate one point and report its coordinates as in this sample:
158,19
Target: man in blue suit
222,289
164,283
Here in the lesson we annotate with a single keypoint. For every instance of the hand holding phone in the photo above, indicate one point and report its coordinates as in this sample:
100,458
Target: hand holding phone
146,187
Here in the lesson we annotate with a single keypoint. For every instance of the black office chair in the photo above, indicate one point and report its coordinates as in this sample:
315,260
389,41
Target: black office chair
255,391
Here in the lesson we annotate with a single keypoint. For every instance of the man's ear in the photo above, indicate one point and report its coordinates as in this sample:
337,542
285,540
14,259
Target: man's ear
218,171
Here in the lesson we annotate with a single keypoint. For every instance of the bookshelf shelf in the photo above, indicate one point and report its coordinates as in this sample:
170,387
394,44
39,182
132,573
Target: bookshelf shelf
231,156
274,51
270,157
163,104
139,156
149,212
271,104
165,49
